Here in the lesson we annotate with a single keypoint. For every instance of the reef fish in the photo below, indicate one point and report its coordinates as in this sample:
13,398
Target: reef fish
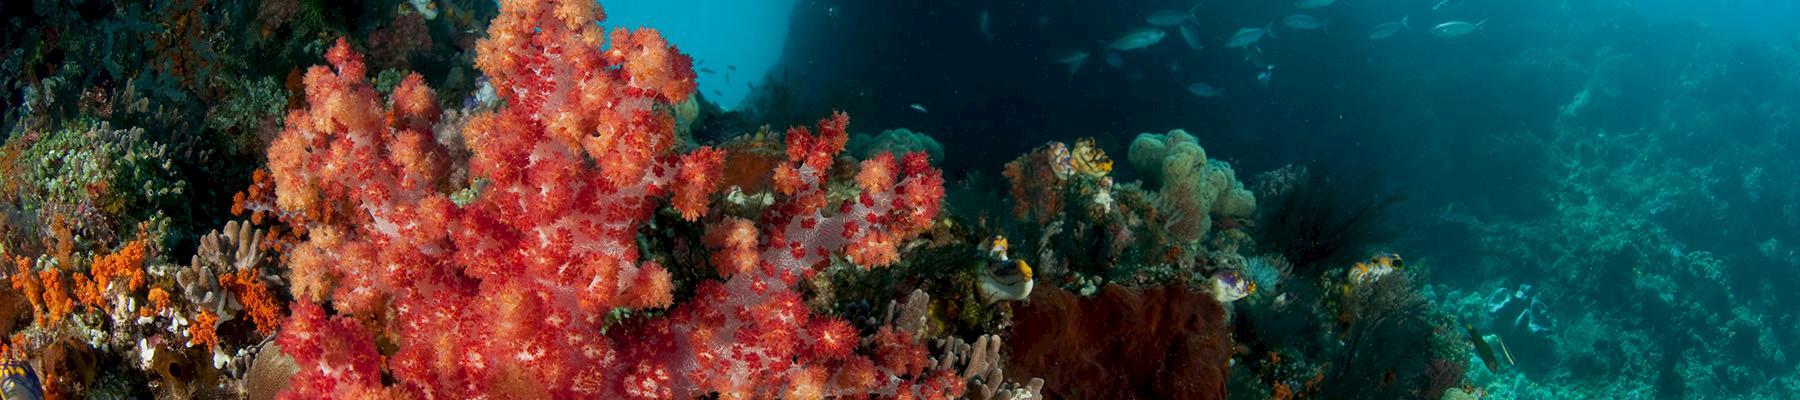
1204,90
1230,285
1386,30
1304,22
19,381
1376,267
1247,36
1484,347
426,8
1454,29
1003,278
1074,57
1137,39
1314,3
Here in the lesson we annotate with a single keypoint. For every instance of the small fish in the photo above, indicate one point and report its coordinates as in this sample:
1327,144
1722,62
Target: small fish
1264,76
1074,57
1168,18
1137,39
19,381
919,107
1191,34
1203,90
1247,36
995,248
985,32
717,93
1377,266
1446,5
731,67
426,8
1114,59
1453,29
1304,22
1314,3
708,71
1230,285
1383,31
1003,278
1484,348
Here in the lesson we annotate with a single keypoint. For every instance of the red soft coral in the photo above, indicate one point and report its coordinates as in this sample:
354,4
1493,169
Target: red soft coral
575,161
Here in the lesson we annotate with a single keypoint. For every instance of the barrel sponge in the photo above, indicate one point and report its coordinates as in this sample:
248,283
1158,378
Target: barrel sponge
1194,189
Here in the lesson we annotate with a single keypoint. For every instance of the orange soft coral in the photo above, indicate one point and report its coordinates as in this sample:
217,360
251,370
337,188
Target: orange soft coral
159,301
200,332
262,306
57,303
124,267
26,282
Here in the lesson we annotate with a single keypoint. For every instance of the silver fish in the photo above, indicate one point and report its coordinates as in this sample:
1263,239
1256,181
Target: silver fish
1073,56
1137,38
1204,90
918,107
1304,22
1383,31
1191,34
1247,36
1455,29
1313,3
1446,5
1168,18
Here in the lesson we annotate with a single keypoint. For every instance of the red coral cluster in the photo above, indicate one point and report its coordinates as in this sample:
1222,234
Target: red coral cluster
505,295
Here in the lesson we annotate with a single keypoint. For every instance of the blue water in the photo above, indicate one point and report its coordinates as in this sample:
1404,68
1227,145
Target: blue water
1630,161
